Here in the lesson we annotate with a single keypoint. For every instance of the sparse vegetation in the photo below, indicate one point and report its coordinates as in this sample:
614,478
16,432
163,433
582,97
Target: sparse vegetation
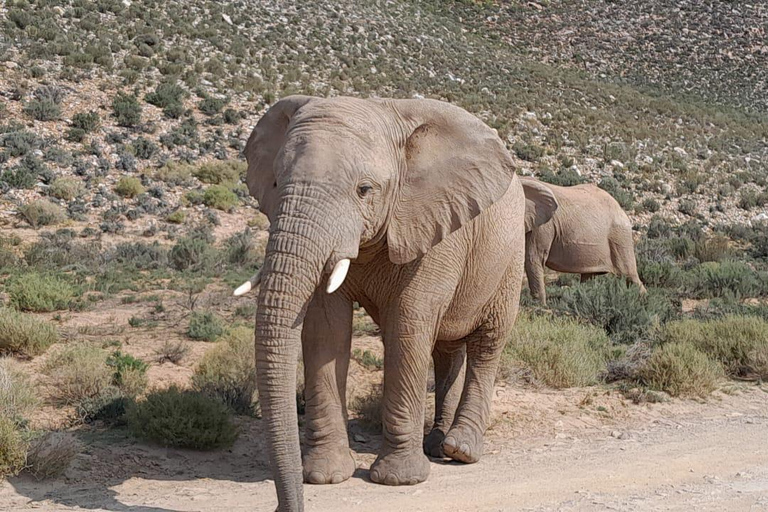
227,372
21,333
557,352
681,369
79,372
42,212
129,187
205,326
183,419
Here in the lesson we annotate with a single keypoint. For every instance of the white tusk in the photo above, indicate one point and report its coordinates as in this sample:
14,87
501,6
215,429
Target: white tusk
338,275
249,285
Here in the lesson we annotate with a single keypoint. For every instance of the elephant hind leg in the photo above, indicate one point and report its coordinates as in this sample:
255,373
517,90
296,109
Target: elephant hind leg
448,359
624,262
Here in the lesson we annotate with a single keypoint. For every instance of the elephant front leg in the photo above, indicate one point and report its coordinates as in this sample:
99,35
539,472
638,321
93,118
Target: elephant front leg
406,363
448,360
326,340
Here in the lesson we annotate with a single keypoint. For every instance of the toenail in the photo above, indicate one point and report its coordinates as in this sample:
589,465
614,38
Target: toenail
391,479
336,478
316,477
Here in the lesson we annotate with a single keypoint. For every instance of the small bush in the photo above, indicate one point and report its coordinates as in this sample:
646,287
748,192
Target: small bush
126,109
174,174
13,448
211,106
650,205
558,352
183,419
66,188
227,372
87,122
172,351
608,302
177,217
168,96
40,293
751,198
563,177
368,359
50,455
130,374
738,343
21,333
367,408
17,395
217,172
129,187
42,212
220,197
205,326
43,110
528,152
193,253
680,369
716,279
79,372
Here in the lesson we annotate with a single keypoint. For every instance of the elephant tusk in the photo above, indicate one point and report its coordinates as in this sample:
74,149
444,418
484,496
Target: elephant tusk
249,285
338,275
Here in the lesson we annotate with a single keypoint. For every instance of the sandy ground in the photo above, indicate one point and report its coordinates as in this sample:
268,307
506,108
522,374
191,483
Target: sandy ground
580,449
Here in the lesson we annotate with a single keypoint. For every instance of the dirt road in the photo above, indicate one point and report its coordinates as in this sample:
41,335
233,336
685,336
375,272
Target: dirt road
575,450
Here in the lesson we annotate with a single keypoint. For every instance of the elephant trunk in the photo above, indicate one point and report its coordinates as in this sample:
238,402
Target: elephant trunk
297,252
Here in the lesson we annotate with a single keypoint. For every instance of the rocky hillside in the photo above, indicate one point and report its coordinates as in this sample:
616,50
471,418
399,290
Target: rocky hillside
665,106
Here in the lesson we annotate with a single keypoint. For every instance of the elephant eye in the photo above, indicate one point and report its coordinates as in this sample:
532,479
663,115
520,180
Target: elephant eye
363,190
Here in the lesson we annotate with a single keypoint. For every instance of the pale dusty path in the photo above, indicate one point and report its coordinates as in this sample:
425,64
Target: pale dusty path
679,457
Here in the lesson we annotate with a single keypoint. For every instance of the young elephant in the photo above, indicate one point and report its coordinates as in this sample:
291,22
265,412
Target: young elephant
589,235
411,208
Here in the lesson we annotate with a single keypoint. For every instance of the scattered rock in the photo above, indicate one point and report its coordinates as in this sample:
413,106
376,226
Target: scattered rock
226,18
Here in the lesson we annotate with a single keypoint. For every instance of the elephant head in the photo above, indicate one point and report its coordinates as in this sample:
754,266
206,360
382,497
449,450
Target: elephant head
339,176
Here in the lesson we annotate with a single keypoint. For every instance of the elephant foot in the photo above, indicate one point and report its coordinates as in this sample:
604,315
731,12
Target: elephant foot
463,444
399,468
328,465
433,443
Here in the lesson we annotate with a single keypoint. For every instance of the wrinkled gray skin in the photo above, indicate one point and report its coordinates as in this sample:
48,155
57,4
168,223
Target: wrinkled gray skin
589,235
422,197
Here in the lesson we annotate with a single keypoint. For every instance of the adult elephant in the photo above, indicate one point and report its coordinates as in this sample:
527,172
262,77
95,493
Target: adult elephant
589,235
412,209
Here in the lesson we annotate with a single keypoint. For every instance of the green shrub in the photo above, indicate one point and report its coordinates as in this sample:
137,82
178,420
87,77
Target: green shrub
177,217
79,372
227,372
680,369
528,152
183,419
126,109
21,333
144,148
168,96
17,395
175,174
650,205
43,110
86,121
563,177
41,212
13,448
66,188
368,359
130,373
205,326
558,352
608,302
129,187
739,343
217,172
716,279
40,293
193,253
220,197
211,106
751,198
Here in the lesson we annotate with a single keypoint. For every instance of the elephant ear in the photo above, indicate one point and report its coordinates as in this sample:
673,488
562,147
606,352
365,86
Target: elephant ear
263,146
454,167
540,203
